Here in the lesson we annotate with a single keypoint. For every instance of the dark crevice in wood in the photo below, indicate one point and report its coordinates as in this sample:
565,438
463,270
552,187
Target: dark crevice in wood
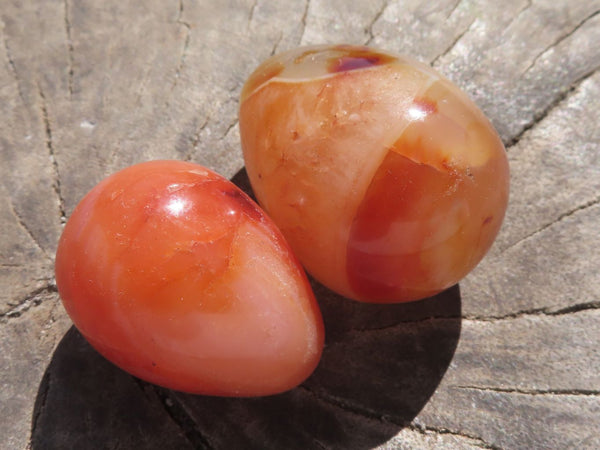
363,413
424,429
11,64
251,14
181,418
558,219
561,39
40,402
303,20
452,44
29,301
558,100
402,323
195,139
520,391
454,7
51,153
69,46
573,309
527,6
229,128
186,44
276,45
24,226
369,28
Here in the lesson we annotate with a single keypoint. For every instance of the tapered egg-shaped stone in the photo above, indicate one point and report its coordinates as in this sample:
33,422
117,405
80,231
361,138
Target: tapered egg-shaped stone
176,276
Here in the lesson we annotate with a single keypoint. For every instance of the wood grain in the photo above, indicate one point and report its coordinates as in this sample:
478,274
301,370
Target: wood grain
507,360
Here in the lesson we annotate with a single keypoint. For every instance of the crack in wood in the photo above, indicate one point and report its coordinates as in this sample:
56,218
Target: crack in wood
319,444
11,62
454,8
369,28
401,323
24,226
303,21
179,415
51,153
70,49
560,39
229,128
453,44
531,392
39,407
556,221
527,6
30,300
424,429
554,104
251,14
354,410
186,44
546,311
195,139
276,45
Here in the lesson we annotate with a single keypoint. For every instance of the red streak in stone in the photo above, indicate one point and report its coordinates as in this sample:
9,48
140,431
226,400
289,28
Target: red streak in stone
357,58
244,203
350,63
425,105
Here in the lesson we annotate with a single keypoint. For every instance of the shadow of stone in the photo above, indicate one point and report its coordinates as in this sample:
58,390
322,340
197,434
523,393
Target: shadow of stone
85,402
373,379
380,366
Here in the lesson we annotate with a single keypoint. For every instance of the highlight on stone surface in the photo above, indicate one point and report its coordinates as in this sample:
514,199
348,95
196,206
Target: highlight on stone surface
386,179
175,275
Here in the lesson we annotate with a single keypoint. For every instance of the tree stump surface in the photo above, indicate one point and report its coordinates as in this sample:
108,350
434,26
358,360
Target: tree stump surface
509,359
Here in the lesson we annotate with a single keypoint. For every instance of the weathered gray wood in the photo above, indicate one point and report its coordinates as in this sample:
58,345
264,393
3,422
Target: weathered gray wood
507,360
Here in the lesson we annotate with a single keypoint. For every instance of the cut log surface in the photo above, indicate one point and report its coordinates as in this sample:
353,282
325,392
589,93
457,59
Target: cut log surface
508,359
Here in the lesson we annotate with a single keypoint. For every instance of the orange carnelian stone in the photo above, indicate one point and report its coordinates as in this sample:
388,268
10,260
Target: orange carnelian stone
388,182
175,275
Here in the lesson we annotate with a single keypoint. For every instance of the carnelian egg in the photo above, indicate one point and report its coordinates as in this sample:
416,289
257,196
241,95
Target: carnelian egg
175,275
387,180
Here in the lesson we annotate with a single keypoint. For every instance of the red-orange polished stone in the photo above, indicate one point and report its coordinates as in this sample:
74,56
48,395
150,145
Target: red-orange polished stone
175,275
387,181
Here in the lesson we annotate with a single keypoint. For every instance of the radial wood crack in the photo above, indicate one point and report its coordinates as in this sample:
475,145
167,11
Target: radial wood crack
521,391
229,128
186,44
30,300
545,112
303,21
560,39
423,429
11,63
376,17
276,44
580,307
453,8
27,230
453,44
362,412
54,162
43,396
528,5
557,220
69,46
180,417
251,14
